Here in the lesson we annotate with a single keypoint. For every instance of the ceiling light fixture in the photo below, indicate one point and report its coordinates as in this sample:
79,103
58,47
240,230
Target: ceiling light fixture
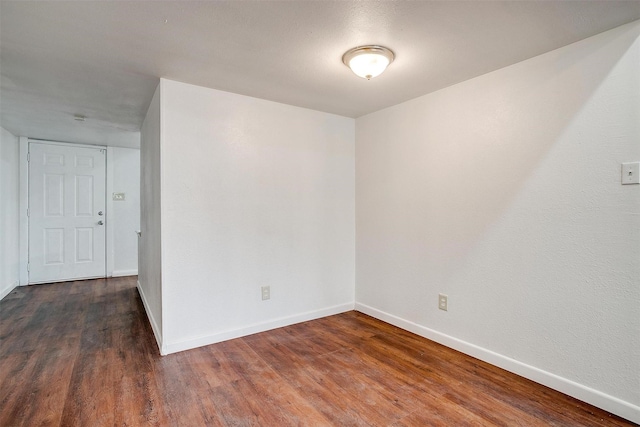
368,61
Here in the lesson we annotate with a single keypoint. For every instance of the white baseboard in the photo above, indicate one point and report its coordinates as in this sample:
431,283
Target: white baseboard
596,398
122,273
254,329
7,290
152,320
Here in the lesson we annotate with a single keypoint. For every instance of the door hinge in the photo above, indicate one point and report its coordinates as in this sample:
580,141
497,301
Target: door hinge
28,157
28,267
28,213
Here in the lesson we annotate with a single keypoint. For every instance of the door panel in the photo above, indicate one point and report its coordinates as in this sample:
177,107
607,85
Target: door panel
84,244
53,195
53,246
84,195
66,192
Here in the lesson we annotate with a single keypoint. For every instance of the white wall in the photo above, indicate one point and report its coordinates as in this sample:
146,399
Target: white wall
124,216
254,193
504,193
149,244
9,219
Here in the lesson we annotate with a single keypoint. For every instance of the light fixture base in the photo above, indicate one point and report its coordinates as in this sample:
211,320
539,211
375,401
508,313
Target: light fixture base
368,61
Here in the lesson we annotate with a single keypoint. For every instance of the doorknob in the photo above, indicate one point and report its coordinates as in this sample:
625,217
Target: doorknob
100,223
100,213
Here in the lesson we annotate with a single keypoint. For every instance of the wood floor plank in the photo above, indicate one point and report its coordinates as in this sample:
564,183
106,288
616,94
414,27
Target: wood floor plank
83,353
14,397
183,401
278,403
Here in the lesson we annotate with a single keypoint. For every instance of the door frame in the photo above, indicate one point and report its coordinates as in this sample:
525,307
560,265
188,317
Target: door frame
24,204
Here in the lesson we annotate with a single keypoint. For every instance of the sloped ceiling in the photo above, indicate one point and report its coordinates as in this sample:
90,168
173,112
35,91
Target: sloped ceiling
103,59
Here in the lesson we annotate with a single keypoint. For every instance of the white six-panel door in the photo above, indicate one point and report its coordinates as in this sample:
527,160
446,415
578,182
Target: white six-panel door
67,218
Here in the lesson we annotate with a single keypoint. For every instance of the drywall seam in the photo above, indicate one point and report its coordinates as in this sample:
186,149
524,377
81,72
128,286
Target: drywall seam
594,397
255,328
152,320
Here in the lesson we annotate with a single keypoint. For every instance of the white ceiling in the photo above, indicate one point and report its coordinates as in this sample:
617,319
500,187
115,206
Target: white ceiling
103,59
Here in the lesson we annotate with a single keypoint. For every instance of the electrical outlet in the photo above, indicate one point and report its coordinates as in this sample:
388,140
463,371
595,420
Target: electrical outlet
442,302
631,173
266,292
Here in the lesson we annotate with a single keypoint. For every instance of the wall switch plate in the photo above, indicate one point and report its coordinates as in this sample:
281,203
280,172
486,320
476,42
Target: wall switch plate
118,196
442,302
266,292
631,173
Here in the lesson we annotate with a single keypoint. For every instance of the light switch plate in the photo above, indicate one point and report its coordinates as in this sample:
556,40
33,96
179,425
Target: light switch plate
118,196
631,173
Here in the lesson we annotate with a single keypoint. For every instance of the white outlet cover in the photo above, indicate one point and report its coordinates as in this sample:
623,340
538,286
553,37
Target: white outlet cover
631,173
442,302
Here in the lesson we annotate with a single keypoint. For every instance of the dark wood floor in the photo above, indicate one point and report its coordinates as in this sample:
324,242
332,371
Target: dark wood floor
82,354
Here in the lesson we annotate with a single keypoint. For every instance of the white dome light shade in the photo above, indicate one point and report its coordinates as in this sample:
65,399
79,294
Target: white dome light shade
368,61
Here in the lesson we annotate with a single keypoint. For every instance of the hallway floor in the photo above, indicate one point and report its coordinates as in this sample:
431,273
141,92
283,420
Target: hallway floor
83,354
